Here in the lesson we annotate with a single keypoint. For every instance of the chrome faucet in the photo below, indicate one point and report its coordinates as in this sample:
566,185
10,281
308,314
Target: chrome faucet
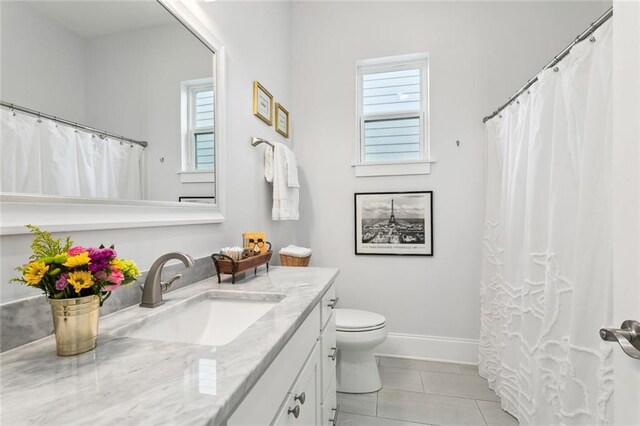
154,286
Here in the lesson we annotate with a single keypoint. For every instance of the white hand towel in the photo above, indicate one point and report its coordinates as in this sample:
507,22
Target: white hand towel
292,168
268,164
276,171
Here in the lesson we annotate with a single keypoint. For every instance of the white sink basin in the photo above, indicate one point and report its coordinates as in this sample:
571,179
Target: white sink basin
214,318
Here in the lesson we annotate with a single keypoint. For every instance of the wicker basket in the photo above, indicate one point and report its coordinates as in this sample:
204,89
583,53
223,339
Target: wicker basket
294,261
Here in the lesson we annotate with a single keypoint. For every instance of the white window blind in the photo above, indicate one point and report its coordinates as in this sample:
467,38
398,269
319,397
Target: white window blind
392,101
393,91
392,139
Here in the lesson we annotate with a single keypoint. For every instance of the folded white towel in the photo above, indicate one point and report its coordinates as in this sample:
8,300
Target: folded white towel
280,169
296,251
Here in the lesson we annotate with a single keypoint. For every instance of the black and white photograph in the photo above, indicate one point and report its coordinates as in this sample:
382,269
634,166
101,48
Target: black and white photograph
394,223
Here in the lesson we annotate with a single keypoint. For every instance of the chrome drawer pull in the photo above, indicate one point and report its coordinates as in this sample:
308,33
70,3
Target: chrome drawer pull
333,303
302,398
334,420
295,410
333,354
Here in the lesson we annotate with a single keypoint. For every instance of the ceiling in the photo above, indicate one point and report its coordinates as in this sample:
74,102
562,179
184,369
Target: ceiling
91,18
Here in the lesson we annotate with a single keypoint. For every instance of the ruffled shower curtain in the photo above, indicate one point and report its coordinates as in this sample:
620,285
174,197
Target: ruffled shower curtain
41,156
547,251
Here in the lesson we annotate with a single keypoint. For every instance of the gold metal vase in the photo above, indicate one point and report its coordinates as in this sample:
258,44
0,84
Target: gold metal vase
75,324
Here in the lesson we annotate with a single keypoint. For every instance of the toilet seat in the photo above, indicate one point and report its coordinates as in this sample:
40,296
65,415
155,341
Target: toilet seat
354,321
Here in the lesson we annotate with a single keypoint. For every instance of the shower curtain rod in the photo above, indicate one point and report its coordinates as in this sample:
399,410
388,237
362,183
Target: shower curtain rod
102,134
556,59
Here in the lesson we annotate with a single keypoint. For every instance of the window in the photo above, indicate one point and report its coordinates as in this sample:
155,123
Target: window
393,116
198,126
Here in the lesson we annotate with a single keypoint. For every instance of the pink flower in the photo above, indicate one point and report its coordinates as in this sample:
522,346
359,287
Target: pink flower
100,275
74,251
116,278
62,282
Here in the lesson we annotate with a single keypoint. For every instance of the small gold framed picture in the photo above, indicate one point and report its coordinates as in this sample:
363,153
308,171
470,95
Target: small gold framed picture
282,120
262,103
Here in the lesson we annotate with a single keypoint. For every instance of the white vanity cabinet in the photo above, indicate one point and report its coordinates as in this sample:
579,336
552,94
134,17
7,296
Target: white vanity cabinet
298,388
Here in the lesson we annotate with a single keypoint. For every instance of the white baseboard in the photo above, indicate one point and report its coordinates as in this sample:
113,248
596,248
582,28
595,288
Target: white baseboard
432,348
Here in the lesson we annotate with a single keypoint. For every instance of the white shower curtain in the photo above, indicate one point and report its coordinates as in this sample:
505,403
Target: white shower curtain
547,252
44,157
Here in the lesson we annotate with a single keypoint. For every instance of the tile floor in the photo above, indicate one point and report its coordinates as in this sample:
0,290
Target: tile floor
424,393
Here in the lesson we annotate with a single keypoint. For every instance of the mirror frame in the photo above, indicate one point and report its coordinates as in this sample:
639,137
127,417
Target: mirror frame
58,214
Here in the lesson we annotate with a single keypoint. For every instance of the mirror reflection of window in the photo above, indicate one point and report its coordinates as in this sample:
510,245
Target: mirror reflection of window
112,67
199,139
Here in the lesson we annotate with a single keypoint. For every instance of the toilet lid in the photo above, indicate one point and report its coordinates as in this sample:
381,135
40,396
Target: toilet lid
353,319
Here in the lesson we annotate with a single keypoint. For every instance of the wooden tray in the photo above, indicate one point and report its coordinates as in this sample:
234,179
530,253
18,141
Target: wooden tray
226,265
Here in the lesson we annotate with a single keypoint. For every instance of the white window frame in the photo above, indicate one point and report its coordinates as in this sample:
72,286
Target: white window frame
189,174
391,167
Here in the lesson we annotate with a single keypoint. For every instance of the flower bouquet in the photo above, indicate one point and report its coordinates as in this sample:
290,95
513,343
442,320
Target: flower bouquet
77,280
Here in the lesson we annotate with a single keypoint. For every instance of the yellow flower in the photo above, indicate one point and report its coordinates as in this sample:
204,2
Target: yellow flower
117,263
80,280
78,260
34,272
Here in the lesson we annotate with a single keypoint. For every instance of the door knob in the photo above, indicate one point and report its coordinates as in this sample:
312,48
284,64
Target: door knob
628,336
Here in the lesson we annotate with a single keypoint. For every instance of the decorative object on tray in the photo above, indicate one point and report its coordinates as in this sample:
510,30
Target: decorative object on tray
262,103
255,239
235,253
227,265
282,120
295,256
398,223
77,280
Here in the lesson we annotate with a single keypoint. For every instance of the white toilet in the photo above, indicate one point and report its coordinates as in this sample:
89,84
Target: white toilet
358,333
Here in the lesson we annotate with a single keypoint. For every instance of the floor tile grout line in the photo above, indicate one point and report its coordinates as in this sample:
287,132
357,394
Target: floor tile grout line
481,413
424,388
439,394
405,421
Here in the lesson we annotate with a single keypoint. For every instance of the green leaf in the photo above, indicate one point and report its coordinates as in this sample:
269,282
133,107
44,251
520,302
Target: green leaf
45,246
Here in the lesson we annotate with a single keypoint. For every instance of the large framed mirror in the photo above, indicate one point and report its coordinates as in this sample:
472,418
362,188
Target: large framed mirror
117,107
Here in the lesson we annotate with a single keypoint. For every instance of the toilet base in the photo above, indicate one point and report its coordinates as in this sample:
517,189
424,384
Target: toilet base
357,372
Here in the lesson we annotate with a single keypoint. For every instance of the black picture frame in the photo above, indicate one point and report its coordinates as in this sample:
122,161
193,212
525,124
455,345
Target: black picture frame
404,236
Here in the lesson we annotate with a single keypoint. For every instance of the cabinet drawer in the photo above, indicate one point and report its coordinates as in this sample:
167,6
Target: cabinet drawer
327,305
305,393
261,404
330,407
283,418
328,341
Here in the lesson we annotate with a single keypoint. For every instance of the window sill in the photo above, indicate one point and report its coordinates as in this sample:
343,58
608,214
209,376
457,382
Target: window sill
399,168
197,177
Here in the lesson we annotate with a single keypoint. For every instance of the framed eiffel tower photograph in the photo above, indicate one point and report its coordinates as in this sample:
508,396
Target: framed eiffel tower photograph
394,223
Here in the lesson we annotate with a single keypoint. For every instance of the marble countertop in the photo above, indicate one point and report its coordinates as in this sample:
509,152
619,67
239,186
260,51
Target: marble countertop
137,381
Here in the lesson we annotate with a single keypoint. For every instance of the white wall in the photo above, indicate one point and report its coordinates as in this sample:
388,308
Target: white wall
480,53
31,42
133,89
252,54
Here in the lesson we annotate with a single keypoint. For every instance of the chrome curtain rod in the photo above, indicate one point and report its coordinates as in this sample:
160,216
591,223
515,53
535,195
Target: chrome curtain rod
258,141
101,133
556,59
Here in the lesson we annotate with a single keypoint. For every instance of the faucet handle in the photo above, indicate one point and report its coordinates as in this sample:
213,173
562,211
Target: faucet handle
165,285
